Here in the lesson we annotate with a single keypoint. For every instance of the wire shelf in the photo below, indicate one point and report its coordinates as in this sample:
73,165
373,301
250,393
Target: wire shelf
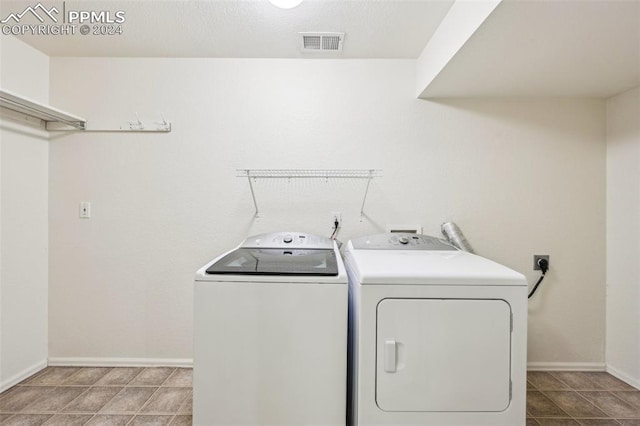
253,174
307,173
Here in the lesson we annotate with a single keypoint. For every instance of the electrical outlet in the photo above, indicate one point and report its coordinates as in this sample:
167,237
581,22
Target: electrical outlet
85,209
336,217
537,257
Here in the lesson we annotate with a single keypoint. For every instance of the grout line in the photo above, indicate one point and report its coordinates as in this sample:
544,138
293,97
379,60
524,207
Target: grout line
579,395
167,379
189,395
146,402
560,380
151,397
107,403
139,373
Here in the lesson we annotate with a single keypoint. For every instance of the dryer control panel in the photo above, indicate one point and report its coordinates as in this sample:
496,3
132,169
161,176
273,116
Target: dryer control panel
400,241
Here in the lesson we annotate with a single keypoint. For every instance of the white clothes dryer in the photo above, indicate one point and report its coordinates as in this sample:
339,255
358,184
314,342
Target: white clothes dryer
270,337
437,335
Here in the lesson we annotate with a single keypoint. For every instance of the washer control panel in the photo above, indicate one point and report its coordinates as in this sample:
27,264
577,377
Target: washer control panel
400,241
298,240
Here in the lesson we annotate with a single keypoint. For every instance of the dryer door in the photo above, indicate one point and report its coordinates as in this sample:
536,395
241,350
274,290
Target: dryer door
443,355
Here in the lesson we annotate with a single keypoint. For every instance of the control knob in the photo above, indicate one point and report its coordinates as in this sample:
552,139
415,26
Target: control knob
403,240
287,239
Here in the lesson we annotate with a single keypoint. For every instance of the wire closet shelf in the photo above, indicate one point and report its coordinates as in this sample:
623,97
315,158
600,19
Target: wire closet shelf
254,174
54,119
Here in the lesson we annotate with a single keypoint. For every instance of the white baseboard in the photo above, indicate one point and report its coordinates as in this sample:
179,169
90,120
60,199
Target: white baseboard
120,362
633,381
27,372
566,366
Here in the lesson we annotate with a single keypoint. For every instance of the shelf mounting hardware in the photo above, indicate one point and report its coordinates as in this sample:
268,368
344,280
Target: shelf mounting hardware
57,120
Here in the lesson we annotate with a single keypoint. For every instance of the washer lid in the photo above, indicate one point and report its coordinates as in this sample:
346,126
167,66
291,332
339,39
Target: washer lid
264,261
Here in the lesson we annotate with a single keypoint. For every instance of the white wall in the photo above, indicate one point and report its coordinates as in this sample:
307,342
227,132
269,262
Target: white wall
519,177
623,235
24,165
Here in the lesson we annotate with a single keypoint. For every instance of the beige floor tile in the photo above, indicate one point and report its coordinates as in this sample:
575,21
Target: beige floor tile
539,405
532,422
187,406
27,420
152,376
629,422
632,397
573,404
68,420
53,376
55,400
166,400
612,405
92,400
181,421
37,374
144,420
542,380
19,397
182,377
557,422
119,376
129,400
607,381
109,420
598,422
86,376
577,380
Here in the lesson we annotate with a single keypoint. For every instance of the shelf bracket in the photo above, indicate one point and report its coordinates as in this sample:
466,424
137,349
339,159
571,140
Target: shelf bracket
366,191
253,195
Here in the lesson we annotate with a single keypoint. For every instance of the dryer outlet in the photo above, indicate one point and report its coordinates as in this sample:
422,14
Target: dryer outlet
536,258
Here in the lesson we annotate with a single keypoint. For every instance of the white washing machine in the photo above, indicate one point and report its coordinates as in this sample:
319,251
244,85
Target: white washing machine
437,336
270,337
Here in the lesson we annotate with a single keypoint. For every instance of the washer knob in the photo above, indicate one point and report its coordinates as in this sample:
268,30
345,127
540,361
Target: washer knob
403,240
287,239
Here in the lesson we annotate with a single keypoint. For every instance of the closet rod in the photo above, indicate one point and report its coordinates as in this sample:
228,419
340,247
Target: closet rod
35,109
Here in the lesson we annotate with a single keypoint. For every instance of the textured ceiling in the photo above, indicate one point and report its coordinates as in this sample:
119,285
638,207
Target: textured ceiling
525,48
246,28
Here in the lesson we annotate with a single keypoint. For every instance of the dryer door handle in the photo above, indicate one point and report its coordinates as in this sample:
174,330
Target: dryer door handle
390,356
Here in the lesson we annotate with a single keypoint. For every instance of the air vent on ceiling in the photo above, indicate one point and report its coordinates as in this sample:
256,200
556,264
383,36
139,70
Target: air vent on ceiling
321,42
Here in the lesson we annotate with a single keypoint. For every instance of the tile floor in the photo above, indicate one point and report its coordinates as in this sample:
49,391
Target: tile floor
560,398
69,396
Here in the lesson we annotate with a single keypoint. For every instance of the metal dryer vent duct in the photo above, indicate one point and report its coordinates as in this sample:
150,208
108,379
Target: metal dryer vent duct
321,42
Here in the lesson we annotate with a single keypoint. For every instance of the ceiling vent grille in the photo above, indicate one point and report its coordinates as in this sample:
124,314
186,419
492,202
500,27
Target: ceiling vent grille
321,42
